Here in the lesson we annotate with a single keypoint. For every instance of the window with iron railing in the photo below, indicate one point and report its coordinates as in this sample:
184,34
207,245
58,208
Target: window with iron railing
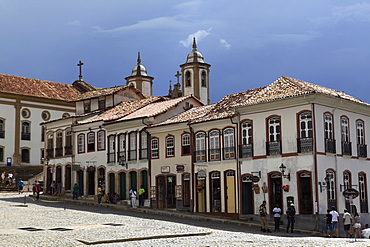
200,152
229,144
214,146
273,146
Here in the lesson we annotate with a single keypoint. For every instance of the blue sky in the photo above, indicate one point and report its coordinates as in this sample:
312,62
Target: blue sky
249,43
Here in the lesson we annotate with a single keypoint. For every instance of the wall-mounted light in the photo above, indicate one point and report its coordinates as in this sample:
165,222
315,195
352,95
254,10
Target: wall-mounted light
122,161
283,169
327,181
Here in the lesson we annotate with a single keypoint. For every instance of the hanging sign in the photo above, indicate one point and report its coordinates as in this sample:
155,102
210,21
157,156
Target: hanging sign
350,193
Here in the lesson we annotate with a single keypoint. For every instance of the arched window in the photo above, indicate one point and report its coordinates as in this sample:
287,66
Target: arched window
101,140
187,79
346,144
143,145
200,147
170,146
132,146
229,144
361,146
50,145
246,139
68,143
204,79
346,180
329,133
26,135
363,192
91,142
81,143
185,141
274,136
111,149
59,144
214,145
155,148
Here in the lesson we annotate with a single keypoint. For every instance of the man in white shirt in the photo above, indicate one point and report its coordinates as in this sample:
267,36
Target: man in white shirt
277,213
335,220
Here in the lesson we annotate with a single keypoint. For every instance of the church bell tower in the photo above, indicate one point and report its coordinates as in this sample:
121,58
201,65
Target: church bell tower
140,79
195,76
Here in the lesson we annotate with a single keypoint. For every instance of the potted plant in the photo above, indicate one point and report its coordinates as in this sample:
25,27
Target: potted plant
286,188
256,189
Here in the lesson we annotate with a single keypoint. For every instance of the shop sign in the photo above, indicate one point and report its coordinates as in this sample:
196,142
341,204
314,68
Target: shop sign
165,169
350,193
201,174
180,168
255,179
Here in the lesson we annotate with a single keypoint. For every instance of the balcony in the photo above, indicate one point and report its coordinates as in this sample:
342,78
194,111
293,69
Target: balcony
346,148
111,158
305,145
362,150
246,151
214,154
200,156
229,153
330,146
273,148
132,155
68,150
2,134
26,136
58,152
143,153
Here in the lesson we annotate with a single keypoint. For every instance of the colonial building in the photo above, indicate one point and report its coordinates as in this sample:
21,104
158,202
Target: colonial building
25,103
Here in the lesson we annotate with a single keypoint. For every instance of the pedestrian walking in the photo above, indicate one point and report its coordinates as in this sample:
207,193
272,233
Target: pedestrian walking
7,181
263,217
58,190
10,176
100,194
13,181
328,224
34,187
76,188
357,226
277,216
347,222
37,190
291,218
52,188
141,196
20,186
3,177
133,198
334,221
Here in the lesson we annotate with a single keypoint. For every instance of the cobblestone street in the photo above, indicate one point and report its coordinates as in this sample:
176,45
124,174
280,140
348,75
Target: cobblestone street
26,222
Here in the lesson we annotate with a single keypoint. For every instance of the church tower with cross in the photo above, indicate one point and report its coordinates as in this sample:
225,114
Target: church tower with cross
140,79
195,76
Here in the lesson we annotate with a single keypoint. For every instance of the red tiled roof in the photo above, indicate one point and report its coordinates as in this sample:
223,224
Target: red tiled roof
123,109
105,91
156,108
286,87
37,88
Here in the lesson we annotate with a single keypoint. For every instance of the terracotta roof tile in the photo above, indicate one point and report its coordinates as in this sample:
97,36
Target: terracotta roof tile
286,87
104,91
37,88
223,108
156,108
123,109
186,116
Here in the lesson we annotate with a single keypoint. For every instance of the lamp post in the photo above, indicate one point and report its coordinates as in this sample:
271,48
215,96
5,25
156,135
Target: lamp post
283,169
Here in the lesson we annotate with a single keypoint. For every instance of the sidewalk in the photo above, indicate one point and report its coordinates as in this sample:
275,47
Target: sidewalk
172,213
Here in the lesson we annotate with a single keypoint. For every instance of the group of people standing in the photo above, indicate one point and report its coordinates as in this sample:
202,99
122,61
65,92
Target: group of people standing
133,195
332,223
277,217
8,179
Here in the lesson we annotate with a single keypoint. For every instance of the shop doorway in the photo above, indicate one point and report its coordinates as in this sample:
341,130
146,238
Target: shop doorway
247,195
276,196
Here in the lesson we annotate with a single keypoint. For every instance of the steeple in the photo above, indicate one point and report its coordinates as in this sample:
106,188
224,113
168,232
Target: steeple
140,79
195,75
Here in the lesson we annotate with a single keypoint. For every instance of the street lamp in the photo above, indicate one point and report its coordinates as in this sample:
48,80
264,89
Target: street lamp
122,161
283,169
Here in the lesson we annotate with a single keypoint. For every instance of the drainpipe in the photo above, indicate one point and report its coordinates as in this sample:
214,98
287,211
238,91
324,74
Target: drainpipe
238,172
149,161
193,180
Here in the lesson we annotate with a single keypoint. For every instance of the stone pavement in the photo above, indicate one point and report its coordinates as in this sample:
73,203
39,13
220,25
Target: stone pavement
47,223
173,213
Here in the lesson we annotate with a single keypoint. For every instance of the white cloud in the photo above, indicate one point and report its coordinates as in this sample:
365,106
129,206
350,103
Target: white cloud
357,12
189,6
225,44
199,35
74,23
156,23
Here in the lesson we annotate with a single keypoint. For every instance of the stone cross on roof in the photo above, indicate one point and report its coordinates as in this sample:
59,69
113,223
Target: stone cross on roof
80,65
